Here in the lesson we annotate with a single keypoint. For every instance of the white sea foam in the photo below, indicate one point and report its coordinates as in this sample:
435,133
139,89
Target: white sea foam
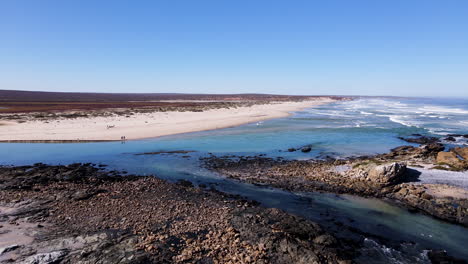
441,109
383,254
401,120
436,119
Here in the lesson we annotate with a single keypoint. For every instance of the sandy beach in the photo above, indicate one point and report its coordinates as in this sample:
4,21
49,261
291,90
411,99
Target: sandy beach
147,125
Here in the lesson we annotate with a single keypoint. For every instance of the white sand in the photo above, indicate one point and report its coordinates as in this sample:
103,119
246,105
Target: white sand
148,125
433,176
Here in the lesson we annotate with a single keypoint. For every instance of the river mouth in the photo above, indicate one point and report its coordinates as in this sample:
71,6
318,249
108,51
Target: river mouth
382,225
389,232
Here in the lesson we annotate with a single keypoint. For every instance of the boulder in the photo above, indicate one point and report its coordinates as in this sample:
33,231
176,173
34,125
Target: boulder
449,158
387,173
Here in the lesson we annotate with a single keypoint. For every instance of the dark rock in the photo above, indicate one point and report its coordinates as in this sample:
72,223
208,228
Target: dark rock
8,249
306,149
291,149
420,140
439,256
450,139
432,148
325,240
185,183
402,150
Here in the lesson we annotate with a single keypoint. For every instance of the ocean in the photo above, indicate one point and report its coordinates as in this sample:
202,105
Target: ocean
363,126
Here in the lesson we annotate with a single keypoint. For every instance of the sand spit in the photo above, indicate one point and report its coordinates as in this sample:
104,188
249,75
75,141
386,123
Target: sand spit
147,125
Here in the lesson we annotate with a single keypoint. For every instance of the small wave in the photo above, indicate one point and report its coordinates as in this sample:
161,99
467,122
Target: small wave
440,109
441,131
399,120
331,113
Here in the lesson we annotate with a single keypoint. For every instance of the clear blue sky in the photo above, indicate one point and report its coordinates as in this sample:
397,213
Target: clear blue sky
408,47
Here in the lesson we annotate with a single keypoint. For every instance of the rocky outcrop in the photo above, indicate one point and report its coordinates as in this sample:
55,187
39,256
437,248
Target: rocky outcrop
456,158
80,214
46,258
417,196
449,158
420,139
462,152
424,153
381,176
387,173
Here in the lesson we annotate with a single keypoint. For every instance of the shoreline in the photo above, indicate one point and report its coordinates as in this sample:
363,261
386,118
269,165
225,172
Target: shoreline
94,212
146,125
86,214
395,176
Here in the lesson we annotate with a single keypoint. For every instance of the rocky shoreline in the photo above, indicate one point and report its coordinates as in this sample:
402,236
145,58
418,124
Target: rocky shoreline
83,214
385,176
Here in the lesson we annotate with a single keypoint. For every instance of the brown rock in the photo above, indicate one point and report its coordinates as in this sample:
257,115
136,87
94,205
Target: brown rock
449,158
426,196
462,152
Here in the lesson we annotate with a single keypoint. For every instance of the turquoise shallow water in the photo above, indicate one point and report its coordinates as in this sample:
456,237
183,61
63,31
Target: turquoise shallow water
359,127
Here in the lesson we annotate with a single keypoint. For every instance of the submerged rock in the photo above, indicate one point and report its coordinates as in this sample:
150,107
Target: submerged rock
306,149
450,138
420,140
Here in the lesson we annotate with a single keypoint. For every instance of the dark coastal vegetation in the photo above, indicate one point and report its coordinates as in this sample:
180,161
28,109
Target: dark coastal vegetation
21,106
